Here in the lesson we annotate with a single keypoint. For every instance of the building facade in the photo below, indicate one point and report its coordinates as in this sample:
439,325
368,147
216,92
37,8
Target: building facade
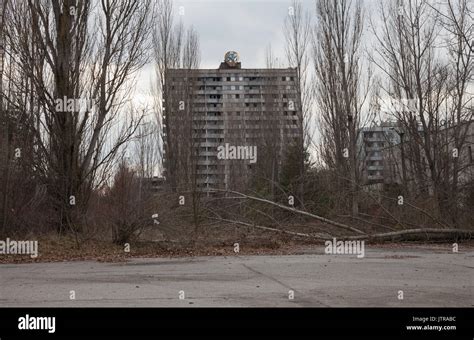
375,167
220,124
406,162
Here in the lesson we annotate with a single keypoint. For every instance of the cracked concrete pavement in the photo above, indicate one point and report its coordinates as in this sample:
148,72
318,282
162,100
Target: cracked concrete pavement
428,277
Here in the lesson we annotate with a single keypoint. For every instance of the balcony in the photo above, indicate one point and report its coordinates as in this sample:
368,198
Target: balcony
375,167
203,154
374,139
375,158
204,134
209,118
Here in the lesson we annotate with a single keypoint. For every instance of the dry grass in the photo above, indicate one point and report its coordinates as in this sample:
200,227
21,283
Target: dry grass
53,248
210,240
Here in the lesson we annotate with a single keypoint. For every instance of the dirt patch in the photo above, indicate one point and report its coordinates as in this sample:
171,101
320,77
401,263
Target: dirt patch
215,241
59,249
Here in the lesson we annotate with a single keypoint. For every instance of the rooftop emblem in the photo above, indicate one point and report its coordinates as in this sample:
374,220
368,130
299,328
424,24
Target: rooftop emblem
231,58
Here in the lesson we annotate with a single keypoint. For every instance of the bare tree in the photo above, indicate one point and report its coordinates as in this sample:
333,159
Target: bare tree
457,20
167,40
340,89
298,39
191,50
76,56
129,205
4,145
271,61
176,48
146,147
432,89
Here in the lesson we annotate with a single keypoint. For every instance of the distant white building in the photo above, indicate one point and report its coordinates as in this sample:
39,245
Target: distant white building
371,144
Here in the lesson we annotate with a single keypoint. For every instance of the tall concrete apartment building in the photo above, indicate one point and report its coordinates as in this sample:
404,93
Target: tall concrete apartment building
403,168
220,124
372,141
387,154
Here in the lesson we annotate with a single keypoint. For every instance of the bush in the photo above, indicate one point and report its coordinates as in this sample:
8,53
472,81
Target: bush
129,205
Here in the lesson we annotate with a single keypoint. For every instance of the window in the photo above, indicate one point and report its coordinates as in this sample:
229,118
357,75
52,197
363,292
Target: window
228,78
237,96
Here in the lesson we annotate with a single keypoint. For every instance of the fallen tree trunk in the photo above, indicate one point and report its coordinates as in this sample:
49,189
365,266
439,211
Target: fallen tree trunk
301,212
425,232
447,233
270,229
367,222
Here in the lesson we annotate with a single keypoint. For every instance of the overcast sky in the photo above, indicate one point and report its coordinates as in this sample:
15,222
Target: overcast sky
245,26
